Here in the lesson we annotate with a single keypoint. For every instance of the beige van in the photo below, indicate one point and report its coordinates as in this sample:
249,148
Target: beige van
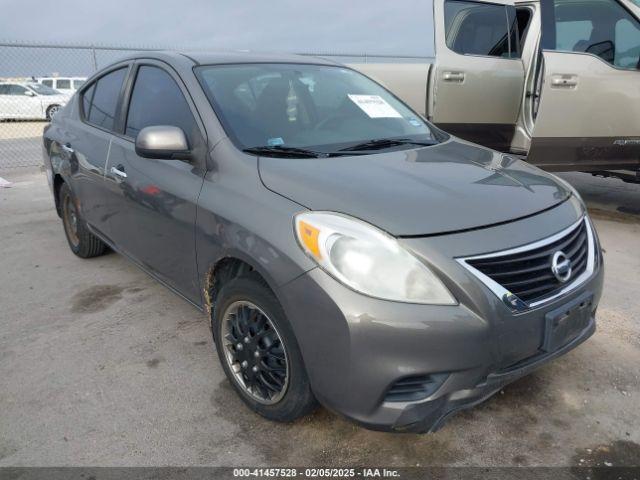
556,80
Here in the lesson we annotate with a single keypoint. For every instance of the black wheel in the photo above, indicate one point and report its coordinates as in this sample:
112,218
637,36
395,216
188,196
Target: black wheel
81,241
51,111
258,350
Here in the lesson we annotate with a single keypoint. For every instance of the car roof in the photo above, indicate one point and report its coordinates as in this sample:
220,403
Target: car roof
202,57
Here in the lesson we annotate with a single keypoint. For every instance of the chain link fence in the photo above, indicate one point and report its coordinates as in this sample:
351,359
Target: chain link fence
37,79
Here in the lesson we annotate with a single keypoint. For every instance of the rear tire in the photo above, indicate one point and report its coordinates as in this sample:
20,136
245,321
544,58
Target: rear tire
81,241
267,345
51,111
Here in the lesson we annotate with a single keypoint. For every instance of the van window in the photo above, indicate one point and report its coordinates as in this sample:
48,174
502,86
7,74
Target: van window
157,100
480,28
48,83
77,84
100,101
63,84
601,27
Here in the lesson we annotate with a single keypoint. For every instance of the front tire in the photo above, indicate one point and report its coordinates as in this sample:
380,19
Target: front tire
259,352
81,241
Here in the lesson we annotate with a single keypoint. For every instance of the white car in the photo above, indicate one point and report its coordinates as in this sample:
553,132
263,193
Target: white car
29,101
67,85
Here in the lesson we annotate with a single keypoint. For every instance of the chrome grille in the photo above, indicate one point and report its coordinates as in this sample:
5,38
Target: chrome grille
526,272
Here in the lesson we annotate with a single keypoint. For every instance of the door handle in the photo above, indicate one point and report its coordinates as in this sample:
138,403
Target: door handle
564,81
67,148
118,171
456,77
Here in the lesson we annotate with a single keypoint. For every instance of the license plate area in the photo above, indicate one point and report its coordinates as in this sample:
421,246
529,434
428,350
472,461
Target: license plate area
565,323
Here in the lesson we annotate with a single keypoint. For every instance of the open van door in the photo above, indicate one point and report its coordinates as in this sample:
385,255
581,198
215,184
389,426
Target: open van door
588,112
477,81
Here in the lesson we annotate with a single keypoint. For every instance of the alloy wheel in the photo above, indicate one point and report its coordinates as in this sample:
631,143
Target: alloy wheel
70,216
254,352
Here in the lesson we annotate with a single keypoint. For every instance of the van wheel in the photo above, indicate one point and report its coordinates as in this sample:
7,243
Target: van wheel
81,241
258,350
51,111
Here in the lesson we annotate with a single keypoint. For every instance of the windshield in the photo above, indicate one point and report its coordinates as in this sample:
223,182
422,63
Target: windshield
42,89
316,107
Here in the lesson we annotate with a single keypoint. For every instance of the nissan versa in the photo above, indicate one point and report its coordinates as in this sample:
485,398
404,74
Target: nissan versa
348,251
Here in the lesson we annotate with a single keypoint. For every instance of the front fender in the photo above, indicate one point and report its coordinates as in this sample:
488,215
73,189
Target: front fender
240,218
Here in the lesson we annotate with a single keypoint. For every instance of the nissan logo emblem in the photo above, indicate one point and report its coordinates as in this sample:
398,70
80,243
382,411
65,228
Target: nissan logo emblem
561,266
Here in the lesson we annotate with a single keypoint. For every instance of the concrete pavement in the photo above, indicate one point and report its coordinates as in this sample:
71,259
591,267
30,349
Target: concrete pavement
101,365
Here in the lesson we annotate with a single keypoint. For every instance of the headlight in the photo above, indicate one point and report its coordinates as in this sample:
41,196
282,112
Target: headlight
367,259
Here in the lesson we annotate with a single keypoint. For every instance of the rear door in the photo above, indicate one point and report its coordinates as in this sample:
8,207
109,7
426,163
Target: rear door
477,83
89,142
155,199
588,116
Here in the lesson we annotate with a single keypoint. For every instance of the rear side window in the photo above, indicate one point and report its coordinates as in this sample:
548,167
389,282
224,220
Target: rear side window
78,83
100,101
157,100
601,27
63,84
481,29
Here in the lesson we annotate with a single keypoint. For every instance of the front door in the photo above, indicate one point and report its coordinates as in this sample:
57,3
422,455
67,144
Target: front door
588,117
477,81
156,199
17,101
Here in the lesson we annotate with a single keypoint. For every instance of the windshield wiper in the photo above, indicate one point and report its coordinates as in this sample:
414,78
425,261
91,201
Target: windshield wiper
381,143
292,152
282,151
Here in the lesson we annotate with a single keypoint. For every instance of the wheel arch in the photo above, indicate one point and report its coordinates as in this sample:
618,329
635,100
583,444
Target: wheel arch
227,267
58,181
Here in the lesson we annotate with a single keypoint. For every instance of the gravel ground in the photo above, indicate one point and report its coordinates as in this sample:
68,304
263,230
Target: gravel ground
100,365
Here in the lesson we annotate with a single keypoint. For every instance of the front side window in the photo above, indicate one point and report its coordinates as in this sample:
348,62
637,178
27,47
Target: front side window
77,84
157,100
485,29
63,84
17,90
324,108
100,101
602,27
48,83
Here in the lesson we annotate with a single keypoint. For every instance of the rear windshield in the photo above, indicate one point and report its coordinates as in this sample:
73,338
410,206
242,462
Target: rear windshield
307,106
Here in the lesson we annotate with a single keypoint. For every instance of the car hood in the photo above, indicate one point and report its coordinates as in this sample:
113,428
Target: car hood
448,187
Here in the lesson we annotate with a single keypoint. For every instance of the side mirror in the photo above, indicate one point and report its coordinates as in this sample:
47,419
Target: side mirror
164,142
605,50
29,93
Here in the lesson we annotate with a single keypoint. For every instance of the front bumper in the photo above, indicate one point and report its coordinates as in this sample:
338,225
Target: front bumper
356,347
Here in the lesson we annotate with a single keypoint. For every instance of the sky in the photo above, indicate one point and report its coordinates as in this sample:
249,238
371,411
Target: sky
398,27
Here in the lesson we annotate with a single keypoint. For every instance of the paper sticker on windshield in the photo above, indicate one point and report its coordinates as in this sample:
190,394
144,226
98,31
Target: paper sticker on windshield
374,106
273,142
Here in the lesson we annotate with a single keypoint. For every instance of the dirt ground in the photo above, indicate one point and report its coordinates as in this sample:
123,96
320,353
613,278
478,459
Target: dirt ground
101,365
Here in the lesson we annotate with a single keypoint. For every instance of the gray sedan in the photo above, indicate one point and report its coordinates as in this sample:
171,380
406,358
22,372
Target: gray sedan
346,250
